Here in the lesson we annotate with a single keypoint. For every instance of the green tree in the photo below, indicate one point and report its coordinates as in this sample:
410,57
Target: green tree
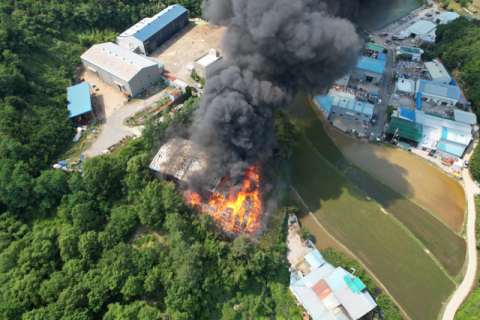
103,176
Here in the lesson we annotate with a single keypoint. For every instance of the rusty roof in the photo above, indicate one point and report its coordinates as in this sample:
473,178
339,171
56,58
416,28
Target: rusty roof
188,162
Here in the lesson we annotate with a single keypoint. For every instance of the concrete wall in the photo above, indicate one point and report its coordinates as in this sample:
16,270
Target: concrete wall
320,107
350,115
360,74
441,99
203,71
131,43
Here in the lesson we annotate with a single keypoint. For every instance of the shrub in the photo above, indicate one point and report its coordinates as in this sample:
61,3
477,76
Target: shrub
475,163
385,51
304,233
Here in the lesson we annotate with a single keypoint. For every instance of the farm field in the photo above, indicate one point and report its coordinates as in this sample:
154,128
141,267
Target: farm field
443,243
409,175
408,273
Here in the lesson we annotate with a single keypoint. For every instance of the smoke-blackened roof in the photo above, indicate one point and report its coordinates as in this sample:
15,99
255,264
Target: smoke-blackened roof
188,162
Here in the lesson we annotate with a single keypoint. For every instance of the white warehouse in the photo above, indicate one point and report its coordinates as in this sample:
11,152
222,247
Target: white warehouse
446,17
438,92
120,68
206,63
437,72
419,29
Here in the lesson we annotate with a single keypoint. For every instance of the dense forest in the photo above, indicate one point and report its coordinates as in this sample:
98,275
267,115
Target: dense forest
458,46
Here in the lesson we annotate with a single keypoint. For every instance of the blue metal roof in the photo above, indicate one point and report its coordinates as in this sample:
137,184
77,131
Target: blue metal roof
451,148
315,259
419,101
79,101
161,20
325,101
369,64
354,105
449,16
381,56
374,93
407,114
439,89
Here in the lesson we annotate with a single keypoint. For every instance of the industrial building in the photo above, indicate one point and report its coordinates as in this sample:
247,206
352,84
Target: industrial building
330,293
448,137
206,63
123,70
150,33
438,73
438,93
345,106
446,17
368,69
405,86
419,29
79,103
410,53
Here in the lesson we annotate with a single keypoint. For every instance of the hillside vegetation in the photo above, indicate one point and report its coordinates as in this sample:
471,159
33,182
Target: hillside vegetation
458,45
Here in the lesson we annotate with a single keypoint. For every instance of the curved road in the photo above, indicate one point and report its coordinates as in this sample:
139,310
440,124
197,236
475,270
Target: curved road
468,282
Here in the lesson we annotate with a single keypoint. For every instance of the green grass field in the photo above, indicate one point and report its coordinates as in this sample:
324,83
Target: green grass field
396,259
443,243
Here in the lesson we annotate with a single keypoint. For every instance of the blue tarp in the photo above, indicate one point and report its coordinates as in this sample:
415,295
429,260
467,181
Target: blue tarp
419,101
374,93
79,101
63,163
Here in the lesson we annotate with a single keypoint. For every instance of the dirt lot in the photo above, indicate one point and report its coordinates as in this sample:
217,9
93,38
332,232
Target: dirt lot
106,99
189,44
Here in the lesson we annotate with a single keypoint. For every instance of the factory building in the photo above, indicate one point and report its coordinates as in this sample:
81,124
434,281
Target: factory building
411,53
329,293
206,63
345,106
405,86
419,29
150,33
368,70
121,69
446,17
438,73
438,93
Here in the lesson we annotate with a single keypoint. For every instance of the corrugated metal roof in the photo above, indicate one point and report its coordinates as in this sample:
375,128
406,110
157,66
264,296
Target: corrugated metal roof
381,56
451,147
116,60
356,304
407,114
354,105
370,64
79,101
438,89
325,101
321,289
437,70
422,27
466,117
406,85
449,16
315,259
456,136
407,129
146,28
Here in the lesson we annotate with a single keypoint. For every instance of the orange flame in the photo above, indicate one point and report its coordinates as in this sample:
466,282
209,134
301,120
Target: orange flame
238,212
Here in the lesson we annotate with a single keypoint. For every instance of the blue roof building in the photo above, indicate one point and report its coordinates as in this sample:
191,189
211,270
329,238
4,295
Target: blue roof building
346,107
330,293
370,64
438,92
79,101
407,114
381,56
150,33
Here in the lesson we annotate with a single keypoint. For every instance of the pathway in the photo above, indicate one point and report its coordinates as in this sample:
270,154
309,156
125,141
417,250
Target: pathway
470,277
113,129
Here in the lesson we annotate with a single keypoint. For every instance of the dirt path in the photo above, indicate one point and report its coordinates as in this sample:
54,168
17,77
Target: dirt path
470,277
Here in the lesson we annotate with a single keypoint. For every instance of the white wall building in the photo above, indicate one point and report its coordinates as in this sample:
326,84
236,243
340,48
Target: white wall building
120,68
408,52
446,17
405,86
438,92
419,29
437,72
207,62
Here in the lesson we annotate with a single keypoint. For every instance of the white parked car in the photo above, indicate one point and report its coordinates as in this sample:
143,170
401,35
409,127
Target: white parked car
379,101
379,137
198,85
94,87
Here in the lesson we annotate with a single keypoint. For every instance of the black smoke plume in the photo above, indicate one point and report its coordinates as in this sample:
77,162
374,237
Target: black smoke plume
271,48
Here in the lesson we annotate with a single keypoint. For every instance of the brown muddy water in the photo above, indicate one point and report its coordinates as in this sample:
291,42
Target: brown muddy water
422,182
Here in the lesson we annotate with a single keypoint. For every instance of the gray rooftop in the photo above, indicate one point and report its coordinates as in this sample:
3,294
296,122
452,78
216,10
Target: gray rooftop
116,60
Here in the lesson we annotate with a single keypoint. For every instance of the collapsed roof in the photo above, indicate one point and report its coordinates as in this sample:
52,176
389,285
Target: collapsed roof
187,162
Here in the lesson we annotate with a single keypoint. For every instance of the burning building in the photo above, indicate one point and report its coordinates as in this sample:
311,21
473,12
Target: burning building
236,209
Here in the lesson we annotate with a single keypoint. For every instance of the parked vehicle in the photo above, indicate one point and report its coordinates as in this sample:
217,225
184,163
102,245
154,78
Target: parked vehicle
379,101
198,85
388,41
378,137
465,164
399,37
94,87
383,34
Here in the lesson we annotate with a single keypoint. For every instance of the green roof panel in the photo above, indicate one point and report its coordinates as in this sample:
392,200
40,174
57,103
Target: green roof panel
406,129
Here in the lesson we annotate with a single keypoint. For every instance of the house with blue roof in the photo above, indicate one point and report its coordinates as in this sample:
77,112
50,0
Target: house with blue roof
344,106
79,103
368,69
330,293
446,17
150,33
439,93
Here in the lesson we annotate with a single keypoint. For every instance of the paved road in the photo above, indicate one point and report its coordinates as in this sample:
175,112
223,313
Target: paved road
113,130
470,277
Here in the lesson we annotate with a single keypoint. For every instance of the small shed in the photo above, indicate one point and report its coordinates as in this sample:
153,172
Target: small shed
79,101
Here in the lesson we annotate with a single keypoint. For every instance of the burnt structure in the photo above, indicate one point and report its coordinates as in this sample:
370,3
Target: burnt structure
185,161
